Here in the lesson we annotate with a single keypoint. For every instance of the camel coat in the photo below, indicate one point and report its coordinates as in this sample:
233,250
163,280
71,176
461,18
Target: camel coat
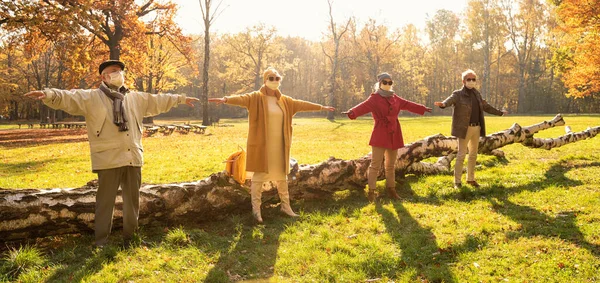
256,103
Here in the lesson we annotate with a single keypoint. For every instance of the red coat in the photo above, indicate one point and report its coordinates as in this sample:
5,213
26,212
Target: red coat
386,131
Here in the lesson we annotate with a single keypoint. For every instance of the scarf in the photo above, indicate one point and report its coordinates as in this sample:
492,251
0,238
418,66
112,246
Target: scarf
119,117
384,93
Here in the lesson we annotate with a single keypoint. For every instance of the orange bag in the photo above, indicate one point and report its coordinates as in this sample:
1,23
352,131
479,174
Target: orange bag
236,166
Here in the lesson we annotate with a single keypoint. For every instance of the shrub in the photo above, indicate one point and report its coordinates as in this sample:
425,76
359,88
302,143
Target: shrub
177,237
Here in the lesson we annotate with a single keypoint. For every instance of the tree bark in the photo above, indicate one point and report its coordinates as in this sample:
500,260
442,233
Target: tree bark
36,213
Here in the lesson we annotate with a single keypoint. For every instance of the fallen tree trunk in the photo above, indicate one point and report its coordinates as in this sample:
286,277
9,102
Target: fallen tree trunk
36,213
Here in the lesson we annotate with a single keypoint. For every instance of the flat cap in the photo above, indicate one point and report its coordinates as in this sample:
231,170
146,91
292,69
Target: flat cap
110,63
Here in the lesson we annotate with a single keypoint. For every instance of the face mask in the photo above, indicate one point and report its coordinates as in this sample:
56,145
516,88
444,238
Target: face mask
385,87
470,84
116,79
272,84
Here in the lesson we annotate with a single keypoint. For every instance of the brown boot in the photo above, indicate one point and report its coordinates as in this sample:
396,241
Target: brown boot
371,195
391,191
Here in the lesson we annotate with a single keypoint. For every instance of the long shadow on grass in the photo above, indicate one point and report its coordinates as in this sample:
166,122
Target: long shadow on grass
251,252
78,261
22,168
533,222
420,250
553,176
37,137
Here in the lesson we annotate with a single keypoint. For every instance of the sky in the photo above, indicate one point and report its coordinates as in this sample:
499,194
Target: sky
309,18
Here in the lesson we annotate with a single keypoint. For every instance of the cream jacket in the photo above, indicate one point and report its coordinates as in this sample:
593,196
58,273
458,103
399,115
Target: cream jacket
110,148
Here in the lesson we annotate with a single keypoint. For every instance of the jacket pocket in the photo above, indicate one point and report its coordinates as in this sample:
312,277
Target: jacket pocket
95,122
99,147
96,126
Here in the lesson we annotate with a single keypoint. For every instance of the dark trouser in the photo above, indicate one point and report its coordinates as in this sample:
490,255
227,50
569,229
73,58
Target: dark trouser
109,180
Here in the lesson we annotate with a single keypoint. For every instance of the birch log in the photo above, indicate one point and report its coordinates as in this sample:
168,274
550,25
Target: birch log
37,213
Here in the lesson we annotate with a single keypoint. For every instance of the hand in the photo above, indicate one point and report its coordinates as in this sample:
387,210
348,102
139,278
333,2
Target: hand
439,104
345,112
329,108
36,94
217,100
427,109
190,101
504,112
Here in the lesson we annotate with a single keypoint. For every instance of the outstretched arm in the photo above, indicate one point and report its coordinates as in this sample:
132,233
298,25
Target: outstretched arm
242,100
490,109
414,107
447,102
304,106
70,101
360,109
160,103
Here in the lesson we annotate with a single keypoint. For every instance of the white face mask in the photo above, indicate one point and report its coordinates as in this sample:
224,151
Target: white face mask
116,79
273,84
471,84
385,87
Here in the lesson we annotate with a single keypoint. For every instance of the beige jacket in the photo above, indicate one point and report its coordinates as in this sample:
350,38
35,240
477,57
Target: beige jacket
256,103
110,148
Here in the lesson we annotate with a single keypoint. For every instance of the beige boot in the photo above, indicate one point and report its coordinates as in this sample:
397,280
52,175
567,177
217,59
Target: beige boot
284,196
256,198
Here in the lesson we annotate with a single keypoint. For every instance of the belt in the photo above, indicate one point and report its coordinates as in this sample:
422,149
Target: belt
473,124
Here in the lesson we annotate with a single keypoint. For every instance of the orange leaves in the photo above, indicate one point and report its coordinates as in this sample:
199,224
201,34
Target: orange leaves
579,34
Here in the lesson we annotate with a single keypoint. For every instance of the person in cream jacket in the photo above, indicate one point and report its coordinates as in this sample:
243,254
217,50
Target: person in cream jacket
113,117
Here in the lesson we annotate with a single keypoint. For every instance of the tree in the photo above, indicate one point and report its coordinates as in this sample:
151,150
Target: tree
108,21
258,47
337,32
442,30
38,213
525,29
577,52
208,18
485,22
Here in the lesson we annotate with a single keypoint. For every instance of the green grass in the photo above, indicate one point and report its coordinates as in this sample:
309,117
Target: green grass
536,218
20,262
181,158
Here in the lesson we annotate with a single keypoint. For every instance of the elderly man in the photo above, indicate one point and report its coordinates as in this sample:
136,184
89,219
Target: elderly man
113,117
468,124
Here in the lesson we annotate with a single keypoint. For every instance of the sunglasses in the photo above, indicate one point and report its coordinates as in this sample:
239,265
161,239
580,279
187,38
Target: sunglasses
387,82
471,80
274,78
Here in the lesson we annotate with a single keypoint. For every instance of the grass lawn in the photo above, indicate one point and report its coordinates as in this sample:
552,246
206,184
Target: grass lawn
536,217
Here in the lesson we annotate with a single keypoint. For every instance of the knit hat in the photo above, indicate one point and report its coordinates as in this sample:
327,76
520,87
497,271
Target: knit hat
270,72
110,63
383,76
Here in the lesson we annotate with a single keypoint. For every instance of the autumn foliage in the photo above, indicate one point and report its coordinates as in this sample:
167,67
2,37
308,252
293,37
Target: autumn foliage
578,48
531,56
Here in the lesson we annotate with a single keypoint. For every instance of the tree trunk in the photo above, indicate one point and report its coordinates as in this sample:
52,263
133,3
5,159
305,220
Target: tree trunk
204,96
36,213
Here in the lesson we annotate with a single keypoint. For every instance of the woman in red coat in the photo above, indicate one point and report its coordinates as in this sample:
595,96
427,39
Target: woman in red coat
386,138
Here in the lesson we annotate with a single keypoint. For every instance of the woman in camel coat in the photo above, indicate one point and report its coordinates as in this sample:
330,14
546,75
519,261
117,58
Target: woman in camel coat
270,116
